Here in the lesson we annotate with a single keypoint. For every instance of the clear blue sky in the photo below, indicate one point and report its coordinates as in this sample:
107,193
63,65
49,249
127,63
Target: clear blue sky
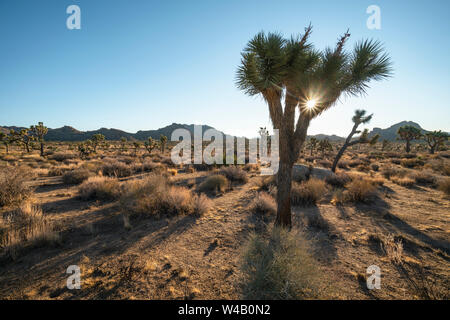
145,64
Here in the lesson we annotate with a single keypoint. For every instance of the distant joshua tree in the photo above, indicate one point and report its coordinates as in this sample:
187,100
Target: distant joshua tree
312,145
163,141
409,133
40,131
85,148
23,137
123,143
325,145
150,144
137,146
435,139
6,140
359,118
385,144
96,140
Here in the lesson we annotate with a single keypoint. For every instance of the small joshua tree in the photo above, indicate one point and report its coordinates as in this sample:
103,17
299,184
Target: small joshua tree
359,118
123,143
85,149
6,140
325,145
435,139
385,144
150,144
22,137
137,146
409,133
39,132
96,140
163,141
312,144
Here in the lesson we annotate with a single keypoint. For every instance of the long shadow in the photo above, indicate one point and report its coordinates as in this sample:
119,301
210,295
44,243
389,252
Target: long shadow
381,209
322,234
109,239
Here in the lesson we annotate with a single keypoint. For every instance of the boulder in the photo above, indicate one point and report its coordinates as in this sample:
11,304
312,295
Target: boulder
301,172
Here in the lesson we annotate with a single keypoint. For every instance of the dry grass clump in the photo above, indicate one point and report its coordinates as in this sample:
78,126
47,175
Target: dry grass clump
441,166
404,182
390,172
279,268
27,226
424,177
214,183
116,169
412,163
263,203
338,180
155,196
308,192
62,156
444,185
324,163
100,188
13,186
234,174
358,190
76,176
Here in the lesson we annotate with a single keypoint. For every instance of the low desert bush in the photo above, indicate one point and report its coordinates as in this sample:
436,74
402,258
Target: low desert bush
324,163
13,187
359,190
390,172
61,156
404,182
116,169
374,167
307,192
439,165
411,163
279,268
100,188
76,176
234,174
263,203
214,183
424,177
155,196
444,185
27,227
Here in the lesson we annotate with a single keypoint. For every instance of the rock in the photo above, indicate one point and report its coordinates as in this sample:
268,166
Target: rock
300,172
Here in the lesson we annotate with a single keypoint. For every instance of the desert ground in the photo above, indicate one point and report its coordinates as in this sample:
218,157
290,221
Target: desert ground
140,227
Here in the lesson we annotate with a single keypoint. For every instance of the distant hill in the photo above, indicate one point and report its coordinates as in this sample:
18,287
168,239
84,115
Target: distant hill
332,138
390,133
68,133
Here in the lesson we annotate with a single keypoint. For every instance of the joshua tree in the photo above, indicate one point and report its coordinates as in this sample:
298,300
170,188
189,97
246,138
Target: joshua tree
325,145
137,146
40,131
312,145
359,118
85,148
163,141
96,140
435,139
123,143
385,144
6,140
22,137
150,144
409,133
293,71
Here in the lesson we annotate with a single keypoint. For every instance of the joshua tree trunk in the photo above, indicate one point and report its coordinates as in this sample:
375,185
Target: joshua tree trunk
284,185
432,148
344,147
42,149
408,146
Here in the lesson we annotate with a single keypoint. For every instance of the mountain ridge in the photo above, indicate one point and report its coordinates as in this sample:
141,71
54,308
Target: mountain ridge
68,133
